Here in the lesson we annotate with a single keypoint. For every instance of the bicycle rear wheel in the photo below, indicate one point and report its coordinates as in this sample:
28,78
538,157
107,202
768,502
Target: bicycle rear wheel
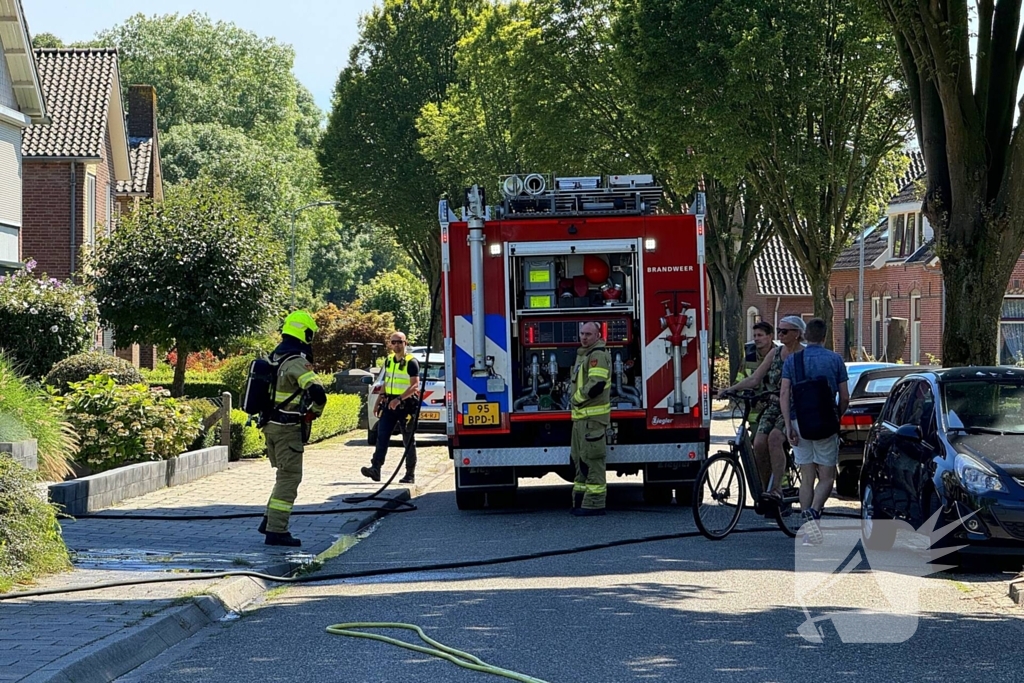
718,496
787,513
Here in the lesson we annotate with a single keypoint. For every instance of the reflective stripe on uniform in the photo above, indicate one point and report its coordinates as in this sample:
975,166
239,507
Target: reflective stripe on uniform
599,373
596,489
591,411
579,487
306,379
396,377
279,505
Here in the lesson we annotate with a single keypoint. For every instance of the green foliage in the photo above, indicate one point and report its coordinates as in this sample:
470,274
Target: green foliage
721,377
342,259
125,424
404,296
25,408
246,440
79,367
370,152
12,429
193,271
341,326
30,540
43,321
341,415
46,40
234,373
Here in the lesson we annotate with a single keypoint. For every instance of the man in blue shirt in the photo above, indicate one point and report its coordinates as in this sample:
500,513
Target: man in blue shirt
815,458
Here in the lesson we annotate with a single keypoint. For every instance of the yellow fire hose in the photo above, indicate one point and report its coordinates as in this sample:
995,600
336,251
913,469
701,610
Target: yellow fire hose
463,659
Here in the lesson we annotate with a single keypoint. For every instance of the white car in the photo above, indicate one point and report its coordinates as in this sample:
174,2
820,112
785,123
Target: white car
432,408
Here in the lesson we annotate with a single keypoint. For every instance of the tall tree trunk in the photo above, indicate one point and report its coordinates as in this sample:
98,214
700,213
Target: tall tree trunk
975,281
178,385
822,303
730,293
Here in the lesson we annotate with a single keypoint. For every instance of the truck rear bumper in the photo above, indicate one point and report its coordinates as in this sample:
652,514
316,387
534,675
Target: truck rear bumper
559,455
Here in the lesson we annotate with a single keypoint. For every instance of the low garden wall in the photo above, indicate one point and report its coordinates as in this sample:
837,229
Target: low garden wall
25,453
103,490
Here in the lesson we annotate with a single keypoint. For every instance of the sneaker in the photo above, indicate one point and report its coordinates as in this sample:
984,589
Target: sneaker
285,539
409,478
813,531
371,472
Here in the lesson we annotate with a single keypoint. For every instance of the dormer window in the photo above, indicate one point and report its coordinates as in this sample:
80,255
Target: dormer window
906,234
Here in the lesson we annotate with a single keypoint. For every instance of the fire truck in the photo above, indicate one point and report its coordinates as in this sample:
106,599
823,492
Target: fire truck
519,279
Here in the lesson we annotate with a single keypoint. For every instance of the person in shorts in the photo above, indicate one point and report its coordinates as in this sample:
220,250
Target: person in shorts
816,459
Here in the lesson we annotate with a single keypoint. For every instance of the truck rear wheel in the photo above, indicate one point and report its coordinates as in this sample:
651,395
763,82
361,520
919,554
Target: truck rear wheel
502,499
469,500
657,495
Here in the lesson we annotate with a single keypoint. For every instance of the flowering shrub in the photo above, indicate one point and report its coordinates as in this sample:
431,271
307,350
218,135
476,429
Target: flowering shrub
125,424
43,320
200,361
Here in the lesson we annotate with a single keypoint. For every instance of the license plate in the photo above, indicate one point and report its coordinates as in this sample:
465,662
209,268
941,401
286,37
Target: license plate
481,414
430,415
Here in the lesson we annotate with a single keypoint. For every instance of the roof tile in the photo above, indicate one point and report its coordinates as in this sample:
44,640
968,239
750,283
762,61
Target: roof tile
77,85
777,272
140,155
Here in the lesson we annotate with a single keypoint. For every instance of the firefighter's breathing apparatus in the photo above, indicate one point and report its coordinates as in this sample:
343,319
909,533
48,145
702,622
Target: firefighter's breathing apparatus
440,650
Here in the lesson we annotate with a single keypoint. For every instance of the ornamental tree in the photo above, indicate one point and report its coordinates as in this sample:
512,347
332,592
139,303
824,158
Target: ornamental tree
192,272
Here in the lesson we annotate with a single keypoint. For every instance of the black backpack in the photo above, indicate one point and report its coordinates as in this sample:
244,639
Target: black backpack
258,397
814,403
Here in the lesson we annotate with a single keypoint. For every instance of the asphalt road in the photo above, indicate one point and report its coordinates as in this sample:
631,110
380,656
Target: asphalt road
677,610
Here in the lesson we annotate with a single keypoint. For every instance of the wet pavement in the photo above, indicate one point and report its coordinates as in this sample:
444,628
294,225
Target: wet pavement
36,632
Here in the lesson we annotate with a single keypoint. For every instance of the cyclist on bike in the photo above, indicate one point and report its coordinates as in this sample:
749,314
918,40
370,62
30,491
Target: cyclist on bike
770,440
764,341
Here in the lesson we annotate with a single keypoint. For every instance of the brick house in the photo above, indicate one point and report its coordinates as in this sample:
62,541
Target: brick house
89,165
902,293
21,104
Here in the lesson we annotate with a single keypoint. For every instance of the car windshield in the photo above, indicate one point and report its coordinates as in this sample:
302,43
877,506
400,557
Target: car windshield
854,372
880,386
984,406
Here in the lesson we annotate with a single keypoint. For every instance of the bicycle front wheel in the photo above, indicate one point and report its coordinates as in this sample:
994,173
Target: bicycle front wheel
718,496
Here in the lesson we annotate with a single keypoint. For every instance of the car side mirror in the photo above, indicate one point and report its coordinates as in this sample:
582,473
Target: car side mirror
367,380
909,432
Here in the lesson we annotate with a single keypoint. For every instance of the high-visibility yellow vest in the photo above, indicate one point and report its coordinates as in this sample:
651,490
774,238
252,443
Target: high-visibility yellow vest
396,376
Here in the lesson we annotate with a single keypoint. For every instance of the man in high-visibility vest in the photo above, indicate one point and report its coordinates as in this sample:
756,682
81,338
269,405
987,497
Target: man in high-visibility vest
764,341
299,397
395,403
590,400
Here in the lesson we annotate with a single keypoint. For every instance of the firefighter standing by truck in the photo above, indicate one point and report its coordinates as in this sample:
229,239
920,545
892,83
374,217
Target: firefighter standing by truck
591,417
298,399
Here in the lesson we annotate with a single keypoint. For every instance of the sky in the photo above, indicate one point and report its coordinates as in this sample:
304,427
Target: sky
320,31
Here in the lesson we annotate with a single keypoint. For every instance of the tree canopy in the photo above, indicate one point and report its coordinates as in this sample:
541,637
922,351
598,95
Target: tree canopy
192,272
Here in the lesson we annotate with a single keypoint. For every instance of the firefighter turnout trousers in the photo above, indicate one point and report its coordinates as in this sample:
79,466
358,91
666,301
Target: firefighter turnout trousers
284,449
588,455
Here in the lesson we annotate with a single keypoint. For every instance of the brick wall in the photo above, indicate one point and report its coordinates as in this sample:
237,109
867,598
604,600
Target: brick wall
46,214
899,283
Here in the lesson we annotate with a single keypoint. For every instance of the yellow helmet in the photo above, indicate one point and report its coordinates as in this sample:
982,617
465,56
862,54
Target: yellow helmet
300,325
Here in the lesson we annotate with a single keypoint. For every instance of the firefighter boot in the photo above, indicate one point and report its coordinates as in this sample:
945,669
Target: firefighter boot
371,472
263,526
283,538
409,478
588,512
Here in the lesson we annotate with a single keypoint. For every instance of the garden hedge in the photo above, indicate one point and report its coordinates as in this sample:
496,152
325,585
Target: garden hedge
30,538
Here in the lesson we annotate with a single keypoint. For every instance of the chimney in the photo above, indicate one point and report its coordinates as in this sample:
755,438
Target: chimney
141,111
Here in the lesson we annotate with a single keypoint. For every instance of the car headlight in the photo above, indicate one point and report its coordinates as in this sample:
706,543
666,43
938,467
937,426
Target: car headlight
976,477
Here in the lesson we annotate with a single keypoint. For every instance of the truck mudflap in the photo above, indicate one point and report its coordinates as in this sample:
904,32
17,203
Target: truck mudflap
559,455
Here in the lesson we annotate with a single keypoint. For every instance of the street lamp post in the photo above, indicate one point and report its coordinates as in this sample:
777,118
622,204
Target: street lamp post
291,259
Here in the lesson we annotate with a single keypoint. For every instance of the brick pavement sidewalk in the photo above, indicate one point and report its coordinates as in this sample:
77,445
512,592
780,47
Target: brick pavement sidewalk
95,635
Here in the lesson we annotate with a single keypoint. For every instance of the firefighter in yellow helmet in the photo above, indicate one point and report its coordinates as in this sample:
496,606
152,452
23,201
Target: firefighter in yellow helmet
590,401
298,399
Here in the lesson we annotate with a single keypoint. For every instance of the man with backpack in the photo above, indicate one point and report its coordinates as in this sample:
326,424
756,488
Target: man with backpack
811,379
298,398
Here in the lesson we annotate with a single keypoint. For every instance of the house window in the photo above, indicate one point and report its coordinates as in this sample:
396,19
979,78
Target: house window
1011,331
850,311
886,315
753,317
906,234
90,210
915,328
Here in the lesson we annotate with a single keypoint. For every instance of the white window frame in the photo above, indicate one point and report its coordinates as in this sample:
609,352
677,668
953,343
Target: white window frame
915,328
753,317
918,233
886,316
999,334
90,209
876,330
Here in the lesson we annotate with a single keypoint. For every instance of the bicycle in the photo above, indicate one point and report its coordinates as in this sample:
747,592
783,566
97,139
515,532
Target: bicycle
720,491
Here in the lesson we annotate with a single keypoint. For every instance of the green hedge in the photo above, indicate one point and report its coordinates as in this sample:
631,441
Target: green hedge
340,415
30,539
197,389
81,366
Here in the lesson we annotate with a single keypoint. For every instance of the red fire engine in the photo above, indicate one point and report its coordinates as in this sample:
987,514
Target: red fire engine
520,278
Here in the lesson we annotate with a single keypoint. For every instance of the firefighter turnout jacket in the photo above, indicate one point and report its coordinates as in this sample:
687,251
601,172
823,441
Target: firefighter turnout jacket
591,384
296,375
